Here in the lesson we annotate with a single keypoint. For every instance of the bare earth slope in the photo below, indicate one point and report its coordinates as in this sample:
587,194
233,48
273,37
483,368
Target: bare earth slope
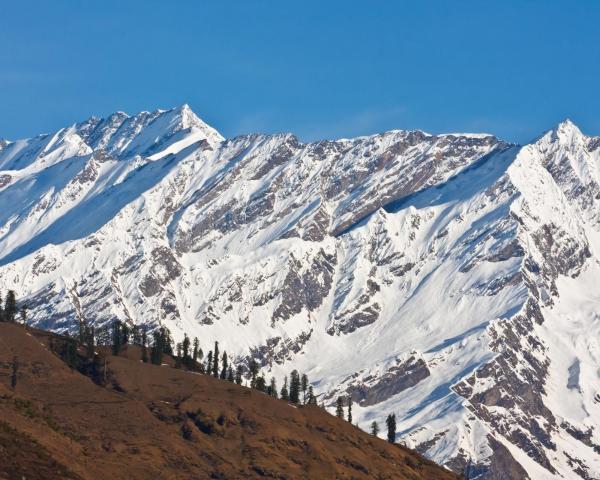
58,424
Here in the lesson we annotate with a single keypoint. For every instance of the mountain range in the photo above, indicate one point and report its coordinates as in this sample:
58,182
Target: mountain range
449,279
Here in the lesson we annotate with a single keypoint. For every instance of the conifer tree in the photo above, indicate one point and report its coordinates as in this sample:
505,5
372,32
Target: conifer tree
391,428
304,386
209,363
253,373
117,337
284,390
158,347
295,387
261,383
230,377
14,373
374,428
312,400
10,306
350,409
215,367
186,348
238,375
23,315
196,348
224,369
272,390
125,334
82,330
178,357
136,335
339,409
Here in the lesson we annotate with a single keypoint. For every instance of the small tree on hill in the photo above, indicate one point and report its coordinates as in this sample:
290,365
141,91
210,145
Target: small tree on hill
186,349
272,388
295,387
117,337
196,350
391,428
312,400
10,306
224,369
350,409
178,356
284,394
209,362
230,377
374,428
238,375
253,367
261,384
339,409
215,367
24,315
304,387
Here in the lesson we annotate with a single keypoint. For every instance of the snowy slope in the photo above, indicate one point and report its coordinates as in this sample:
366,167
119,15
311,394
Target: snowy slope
449,279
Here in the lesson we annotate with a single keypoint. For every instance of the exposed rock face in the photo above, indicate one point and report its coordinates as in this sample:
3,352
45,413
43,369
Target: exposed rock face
370,389
449,279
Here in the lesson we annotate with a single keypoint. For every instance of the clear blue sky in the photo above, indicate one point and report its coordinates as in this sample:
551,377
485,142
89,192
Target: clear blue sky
320,69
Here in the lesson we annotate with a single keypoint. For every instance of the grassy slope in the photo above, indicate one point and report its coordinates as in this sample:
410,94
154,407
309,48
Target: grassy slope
59,424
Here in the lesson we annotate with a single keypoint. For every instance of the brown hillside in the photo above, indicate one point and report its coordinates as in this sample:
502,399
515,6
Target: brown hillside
153,422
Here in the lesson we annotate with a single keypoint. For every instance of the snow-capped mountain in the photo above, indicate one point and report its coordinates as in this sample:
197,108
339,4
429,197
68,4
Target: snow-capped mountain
450,279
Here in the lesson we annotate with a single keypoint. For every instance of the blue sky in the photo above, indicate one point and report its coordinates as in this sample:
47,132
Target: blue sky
320,69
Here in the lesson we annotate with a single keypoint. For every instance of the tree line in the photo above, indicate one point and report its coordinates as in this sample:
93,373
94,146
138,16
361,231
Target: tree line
187,354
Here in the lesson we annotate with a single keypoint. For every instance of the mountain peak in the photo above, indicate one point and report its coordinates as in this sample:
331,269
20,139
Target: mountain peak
567,131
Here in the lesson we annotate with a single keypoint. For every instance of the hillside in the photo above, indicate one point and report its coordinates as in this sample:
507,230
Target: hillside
59,424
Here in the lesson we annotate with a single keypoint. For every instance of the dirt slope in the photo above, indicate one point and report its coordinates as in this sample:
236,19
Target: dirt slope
159,422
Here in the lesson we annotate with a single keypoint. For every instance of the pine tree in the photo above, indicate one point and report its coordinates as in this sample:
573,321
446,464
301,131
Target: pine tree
178,357
295,387
224,369
391,428
196,348
117,337
10,306
272,390
253,373
284,390
23,315
350,409
82,328
125,334
374,428
261,383
136,335
90,338
186,349
15,371
209,363
238,375
339,409
312,400
304,386
158,347
215,367
230,377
